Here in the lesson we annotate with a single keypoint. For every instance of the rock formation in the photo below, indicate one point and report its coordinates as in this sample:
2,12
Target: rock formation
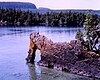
70,57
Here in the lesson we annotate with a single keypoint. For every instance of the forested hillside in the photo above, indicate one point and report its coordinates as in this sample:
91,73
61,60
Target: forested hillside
17,5
28,18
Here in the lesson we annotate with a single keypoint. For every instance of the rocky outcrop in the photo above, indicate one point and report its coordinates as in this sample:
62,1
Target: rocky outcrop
71,57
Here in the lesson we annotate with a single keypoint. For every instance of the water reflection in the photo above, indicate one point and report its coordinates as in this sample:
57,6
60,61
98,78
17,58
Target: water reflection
34,73
60,34
50,74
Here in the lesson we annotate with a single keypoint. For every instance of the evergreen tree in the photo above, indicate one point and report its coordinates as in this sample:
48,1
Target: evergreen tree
91,35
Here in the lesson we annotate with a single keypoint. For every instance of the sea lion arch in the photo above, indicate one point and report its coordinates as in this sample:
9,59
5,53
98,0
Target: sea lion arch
70,57
39,42
56,52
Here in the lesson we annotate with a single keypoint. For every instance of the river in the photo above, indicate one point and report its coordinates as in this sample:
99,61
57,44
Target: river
14,44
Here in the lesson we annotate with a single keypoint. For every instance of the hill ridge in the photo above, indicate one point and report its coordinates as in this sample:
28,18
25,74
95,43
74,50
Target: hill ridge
18,5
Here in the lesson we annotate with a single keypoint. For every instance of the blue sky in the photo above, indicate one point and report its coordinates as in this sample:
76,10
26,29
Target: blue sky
64,4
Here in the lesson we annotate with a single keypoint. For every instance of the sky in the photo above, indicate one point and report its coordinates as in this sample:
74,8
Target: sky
64,4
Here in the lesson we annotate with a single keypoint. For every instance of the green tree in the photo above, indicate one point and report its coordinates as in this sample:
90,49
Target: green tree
92,32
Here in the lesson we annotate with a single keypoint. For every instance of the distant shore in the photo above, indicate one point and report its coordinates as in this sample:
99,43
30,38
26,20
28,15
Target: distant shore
13,17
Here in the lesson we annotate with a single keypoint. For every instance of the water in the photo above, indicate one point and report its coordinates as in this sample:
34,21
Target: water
14,44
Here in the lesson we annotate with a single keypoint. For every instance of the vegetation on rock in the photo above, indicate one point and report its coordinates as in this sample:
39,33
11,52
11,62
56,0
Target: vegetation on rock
90,38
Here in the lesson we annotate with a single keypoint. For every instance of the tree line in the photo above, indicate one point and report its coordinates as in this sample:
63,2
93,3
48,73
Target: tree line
13,17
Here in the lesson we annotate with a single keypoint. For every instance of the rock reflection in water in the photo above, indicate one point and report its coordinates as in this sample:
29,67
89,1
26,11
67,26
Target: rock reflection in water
32,72
41,73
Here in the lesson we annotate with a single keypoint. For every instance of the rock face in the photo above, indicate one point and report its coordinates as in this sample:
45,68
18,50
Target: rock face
70,57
